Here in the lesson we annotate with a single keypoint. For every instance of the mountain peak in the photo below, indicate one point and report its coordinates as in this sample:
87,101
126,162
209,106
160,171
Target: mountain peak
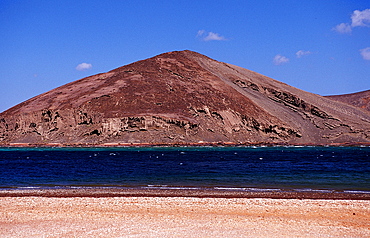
180,56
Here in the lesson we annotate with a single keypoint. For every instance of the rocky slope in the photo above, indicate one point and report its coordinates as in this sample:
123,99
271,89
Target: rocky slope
182,97
360,99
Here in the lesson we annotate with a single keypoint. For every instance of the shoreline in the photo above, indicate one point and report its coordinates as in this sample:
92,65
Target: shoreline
179,144
181,193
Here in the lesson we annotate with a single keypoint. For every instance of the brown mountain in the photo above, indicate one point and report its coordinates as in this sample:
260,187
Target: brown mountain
360,99
182,97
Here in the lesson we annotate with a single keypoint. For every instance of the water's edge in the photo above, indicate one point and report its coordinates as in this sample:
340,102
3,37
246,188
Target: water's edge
183,192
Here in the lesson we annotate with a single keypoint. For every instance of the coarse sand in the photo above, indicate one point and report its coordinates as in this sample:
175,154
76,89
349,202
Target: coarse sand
35,216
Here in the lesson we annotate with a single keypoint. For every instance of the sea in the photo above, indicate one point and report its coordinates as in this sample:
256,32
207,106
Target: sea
325,169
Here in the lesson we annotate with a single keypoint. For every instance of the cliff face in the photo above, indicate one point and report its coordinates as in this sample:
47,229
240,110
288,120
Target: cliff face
181,97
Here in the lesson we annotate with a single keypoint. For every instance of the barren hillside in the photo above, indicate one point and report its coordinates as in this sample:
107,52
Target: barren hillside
360,99
182,97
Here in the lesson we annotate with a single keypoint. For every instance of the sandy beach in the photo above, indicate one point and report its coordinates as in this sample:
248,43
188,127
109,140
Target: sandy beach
141,216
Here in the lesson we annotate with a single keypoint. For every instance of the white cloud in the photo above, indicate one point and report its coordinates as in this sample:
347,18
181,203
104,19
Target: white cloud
343,28
301,53
200,33
358,19
83,66
208,36
365,53
279,60
213,36
361,18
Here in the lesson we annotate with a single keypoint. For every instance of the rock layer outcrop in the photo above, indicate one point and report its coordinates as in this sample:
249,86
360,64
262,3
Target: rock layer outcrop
182,97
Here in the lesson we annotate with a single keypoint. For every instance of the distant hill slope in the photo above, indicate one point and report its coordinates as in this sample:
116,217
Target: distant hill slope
182,97
360,99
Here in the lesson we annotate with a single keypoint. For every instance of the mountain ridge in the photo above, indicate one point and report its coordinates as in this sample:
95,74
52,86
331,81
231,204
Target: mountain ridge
182,97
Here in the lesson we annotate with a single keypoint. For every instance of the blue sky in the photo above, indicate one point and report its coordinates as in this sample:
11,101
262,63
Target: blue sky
318,46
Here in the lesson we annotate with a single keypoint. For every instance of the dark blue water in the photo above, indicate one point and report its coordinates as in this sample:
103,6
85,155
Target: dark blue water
326,168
